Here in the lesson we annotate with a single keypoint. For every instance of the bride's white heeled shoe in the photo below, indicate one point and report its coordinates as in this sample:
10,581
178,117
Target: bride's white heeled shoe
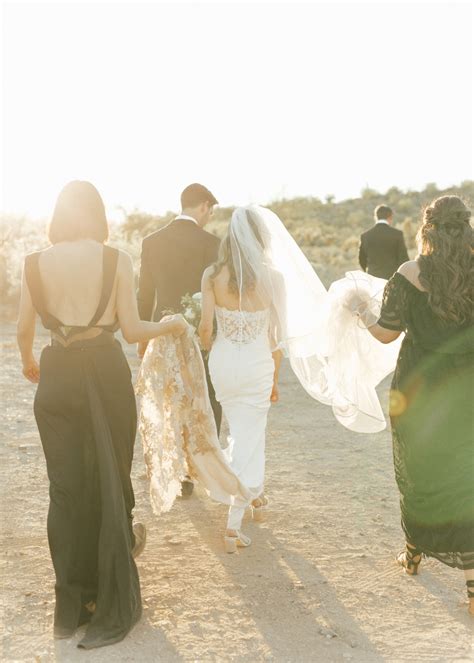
231,543
259,507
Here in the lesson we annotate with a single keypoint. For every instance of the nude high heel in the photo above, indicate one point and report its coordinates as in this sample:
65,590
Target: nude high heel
259,508
239,540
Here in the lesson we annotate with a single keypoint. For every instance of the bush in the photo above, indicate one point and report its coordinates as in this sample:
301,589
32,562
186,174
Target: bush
19,237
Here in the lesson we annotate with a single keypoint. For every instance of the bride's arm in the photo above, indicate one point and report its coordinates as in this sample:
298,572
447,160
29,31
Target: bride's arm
134,329
277,355
25,333
207,310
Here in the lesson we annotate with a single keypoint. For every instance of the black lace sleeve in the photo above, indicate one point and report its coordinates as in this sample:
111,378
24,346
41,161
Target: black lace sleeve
392,314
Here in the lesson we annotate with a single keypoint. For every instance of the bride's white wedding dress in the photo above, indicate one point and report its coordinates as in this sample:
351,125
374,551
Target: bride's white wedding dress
241,368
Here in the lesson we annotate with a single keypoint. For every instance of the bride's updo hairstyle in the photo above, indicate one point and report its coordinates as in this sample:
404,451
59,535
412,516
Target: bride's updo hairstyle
79,214
445,246
226,259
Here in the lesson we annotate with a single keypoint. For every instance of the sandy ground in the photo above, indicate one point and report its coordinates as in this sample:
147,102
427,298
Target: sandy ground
319,582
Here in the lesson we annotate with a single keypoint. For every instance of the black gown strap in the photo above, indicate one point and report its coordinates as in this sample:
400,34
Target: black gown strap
33,279
109,269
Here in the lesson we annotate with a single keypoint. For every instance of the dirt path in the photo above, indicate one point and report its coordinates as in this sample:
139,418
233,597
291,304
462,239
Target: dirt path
319,582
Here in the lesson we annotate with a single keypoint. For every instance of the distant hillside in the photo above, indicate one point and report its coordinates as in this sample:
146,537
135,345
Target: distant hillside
328,232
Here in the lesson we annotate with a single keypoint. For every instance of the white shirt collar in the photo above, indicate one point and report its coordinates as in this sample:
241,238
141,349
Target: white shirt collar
382,221
185,217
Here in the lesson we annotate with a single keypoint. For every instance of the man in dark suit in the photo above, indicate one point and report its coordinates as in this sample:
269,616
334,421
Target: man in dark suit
172,264
382,248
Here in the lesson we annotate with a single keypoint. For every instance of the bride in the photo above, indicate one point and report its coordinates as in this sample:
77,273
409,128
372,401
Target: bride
244,360
268,301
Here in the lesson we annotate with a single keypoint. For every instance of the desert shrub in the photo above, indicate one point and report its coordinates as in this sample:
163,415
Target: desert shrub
431,190
369,194
142,224
409,228
393,195
404,205
351,244
19,236
356,219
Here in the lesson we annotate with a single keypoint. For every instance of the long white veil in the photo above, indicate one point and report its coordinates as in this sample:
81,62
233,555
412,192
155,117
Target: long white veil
334,358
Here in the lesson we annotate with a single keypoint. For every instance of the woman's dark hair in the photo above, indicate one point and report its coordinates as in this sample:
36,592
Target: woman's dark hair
225,258
79,213
446,269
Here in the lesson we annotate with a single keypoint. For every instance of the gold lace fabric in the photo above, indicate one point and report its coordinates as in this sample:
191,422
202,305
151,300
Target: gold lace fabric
176,421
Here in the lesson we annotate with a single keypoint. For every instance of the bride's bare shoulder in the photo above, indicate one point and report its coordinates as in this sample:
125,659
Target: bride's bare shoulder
209,278
217,275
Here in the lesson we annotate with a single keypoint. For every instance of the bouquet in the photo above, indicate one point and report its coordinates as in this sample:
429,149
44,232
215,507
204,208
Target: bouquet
191,308
191,311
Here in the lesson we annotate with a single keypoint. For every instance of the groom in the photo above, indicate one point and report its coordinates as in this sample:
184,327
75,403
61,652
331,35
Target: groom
172,264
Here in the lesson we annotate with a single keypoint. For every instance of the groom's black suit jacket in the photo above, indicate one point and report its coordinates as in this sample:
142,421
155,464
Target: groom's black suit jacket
173,261
382,250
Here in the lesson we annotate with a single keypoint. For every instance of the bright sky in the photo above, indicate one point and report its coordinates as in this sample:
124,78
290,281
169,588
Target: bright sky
254,100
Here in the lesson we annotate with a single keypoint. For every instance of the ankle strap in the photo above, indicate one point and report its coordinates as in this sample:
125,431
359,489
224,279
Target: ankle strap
412,552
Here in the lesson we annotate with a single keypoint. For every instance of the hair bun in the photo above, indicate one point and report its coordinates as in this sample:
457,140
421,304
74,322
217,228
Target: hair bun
449,211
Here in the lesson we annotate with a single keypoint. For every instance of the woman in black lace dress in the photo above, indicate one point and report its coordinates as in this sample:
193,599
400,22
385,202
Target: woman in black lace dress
83,292
431,299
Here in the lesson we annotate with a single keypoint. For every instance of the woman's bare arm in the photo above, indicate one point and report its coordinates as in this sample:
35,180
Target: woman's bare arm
133,329
277,356
383,335
25,333
208,306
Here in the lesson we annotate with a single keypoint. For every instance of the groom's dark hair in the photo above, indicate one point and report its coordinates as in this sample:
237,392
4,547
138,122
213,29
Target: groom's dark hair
383,212
195,194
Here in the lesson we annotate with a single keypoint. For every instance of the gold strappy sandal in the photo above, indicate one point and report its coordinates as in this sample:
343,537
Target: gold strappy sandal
407,559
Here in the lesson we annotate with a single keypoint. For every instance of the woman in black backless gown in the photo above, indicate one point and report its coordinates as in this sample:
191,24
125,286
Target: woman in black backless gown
431,299
86,416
